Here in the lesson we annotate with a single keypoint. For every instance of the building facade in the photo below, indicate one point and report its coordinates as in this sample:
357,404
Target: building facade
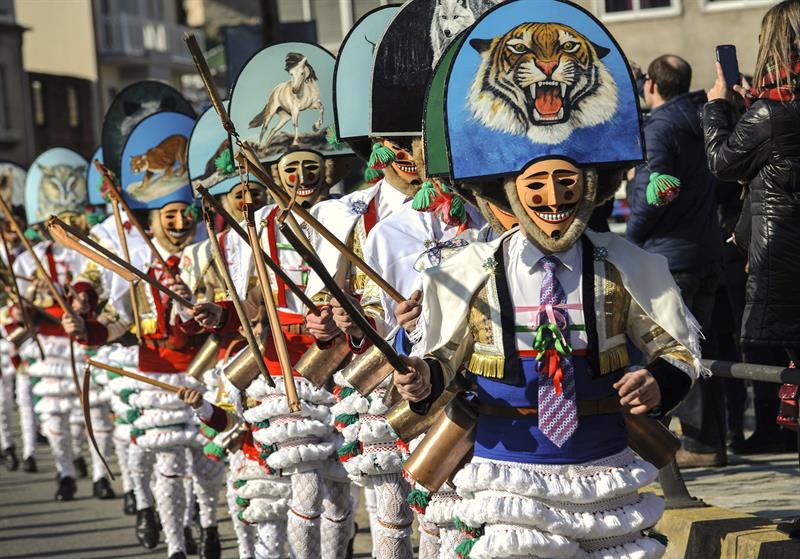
16,134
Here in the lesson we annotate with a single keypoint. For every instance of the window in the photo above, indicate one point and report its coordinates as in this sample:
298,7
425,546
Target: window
39,116
634,9
735,4
73,111
7,10
4,116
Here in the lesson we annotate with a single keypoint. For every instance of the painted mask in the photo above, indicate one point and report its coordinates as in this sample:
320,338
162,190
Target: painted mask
234,200
304,172
404,173
174,226
75,219
550,191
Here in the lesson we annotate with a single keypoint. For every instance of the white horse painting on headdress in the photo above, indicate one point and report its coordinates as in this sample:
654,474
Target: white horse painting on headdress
288,99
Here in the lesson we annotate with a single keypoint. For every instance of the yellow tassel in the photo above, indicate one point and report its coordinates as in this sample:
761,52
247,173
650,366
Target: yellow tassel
489,366
149,326
614,359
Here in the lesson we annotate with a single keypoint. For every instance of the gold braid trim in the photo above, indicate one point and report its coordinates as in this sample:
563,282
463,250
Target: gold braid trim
614,359
149,326
489,366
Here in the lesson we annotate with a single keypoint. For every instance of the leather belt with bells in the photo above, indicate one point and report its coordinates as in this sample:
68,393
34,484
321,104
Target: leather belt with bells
604,406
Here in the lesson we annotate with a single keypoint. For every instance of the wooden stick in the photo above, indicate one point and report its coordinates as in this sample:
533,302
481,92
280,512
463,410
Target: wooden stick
222,265
87,412
26,319
272,310
39,266
127,256
61,232
116,194
275,267
141,378
282,197
277,192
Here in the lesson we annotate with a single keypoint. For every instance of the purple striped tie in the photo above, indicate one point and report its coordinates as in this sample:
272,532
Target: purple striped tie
558,413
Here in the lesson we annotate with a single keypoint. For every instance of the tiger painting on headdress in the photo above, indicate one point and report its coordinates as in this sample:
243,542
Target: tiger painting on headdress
542,80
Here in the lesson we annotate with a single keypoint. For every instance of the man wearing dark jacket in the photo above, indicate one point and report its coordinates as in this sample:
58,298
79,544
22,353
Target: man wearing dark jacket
685,231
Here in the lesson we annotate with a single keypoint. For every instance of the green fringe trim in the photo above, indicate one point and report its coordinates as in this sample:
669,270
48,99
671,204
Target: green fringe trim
112,376
136,432
465,528
207,431
242,502
372,175
213,451
662,189
465,548
224,163
261,424
32,235
94,218
125,395
418,500
332,138
344,419
133,415
381,156
424,197
349,450
457,208
239,483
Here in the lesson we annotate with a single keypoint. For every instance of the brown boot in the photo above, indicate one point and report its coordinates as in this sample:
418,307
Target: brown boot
686,459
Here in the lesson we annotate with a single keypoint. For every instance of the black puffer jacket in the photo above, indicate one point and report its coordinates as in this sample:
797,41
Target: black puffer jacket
763,147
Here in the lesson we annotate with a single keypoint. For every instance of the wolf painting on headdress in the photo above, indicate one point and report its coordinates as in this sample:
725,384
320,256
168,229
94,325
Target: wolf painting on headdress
542,80
288,99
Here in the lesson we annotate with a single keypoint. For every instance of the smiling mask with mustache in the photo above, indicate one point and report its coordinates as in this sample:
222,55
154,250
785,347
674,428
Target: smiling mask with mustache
172,227
553,200
304,172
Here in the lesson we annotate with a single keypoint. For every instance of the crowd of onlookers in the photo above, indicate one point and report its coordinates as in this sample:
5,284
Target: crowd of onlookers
732,233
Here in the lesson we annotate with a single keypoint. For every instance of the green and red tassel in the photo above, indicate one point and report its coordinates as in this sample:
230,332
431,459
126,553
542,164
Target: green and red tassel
345,420
207,431
402,445
423,199
371,176
135,434
381,156
350,450
465,528
662,189
214,452
242,502
133,415
418,500
125,395
465,548
261,424
192,212
342,392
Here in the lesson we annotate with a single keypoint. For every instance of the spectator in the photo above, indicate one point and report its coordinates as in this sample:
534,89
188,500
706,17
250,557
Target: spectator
763,148
685,231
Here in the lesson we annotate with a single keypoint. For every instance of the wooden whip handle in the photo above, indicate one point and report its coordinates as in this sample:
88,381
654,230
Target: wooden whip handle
141,378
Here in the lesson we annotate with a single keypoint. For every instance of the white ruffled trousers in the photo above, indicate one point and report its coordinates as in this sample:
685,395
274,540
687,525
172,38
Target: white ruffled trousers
578,511
24,399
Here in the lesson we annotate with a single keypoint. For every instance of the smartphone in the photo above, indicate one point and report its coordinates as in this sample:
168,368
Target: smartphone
726,56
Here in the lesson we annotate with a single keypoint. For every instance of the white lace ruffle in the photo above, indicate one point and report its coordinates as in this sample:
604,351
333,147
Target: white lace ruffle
292,429
608,519
52,386
305,455
155,399
265,489
50,405
611,477
155,439
259,389
276,406
262,510
53,367
441,507
117,385
374,463
152,418
250,469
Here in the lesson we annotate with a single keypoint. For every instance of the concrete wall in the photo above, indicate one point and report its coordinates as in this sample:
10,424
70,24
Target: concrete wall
693,35
16,137
61,37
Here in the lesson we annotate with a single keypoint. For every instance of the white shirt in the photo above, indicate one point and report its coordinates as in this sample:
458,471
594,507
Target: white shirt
389,199
525,276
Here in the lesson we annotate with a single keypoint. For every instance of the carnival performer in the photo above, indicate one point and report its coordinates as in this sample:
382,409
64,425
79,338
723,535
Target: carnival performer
170,337
562,330
12,181
46,194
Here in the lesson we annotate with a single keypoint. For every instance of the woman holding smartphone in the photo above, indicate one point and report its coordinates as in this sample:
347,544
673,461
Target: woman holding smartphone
763,150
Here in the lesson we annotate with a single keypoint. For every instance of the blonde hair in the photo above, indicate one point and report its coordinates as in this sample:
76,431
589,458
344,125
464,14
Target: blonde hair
780,38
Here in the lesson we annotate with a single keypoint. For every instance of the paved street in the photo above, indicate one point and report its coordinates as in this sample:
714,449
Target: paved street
34,526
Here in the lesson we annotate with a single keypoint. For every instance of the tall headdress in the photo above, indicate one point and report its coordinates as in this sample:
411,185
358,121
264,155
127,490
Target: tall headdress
282,100
533,79
404,60
56,183
211,162
13,190
132,105
154,169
